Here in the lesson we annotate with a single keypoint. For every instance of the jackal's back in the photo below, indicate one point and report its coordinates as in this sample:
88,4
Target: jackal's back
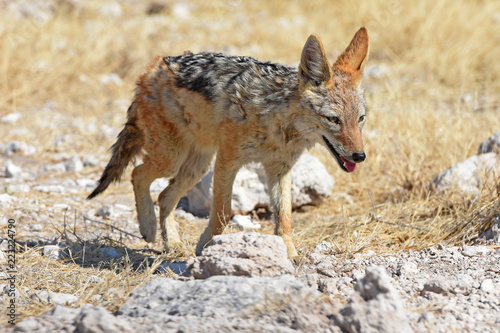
238,78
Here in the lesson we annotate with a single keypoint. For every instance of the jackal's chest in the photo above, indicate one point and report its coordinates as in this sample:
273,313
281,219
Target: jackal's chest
263,146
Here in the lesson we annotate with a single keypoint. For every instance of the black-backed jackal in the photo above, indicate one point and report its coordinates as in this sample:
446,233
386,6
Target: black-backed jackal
191,107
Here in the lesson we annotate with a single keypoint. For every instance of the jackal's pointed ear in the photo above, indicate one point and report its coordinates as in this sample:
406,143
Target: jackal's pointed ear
353,60
314,67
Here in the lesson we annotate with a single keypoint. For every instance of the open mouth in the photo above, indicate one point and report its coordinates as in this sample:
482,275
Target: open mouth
344,164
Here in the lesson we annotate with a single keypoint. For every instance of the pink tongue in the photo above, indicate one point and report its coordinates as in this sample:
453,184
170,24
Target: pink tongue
349,165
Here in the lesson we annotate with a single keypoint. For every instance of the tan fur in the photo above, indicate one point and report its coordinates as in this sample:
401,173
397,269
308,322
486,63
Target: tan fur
191,107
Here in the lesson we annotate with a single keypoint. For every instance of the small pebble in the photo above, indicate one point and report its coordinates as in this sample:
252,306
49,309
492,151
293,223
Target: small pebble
105,211
12,170
11,118
35,227
245,222
52,252
5,200
95,279
90,161
74,165
476,251
61,206
487,285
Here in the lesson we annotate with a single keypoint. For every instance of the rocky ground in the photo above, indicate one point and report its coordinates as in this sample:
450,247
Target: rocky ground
244,282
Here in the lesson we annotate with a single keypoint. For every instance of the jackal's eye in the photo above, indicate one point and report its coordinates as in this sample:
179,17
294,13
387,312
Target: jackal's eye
361,119
333,119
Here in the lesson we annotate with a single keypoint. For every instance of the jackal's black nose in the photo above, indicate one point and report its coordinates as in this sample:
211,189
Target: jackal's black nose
358,157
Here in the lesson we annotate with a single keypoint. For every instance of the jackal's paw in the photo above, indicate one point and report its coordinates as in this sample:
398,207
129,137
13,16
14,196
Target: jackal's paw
171,239
148,230
149,235
290,249
295,260
205,239
172,246
293,256
201,246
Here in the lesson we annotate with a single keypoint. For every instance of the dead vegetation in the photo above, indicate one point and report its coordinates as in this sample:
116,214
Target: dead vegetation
432,86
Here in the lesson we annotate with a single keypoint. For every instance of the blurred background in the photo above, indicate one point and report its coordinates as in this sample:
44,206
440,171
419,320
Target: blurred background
68,70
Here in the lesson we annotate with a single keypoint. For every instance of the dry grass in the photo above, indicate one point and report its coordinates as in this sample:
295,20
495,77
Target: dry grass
436,100
96,282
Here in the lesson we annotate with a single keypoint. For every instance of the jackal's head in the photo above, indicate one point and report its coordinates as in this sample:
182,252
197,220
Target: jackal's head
332,100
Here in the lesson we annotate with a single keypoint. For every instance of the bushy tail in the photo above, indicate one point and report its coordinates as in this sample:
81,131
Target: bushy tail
128,145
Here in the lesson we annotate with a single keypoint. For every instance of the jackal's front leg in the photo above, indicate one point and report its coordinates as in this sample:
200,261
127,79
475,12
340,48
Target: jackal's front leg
225,171
279,180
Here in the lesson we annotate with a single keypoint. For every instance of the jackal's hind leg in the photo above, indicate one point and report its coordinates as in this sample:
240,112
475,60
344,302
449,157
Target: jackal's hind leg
142,177
190,173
